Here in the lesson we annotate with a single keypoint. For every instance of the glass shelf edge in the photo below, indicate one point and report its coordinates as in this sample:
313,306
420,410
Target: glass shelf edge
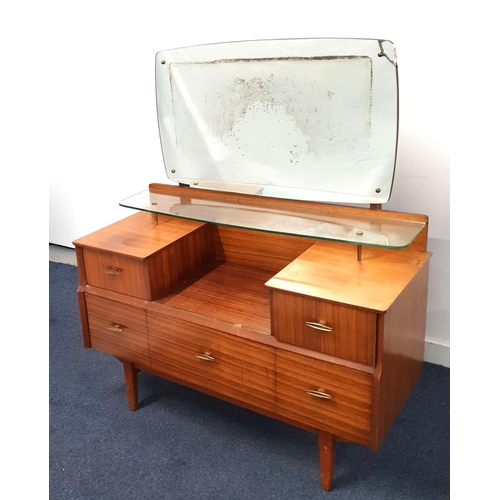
257,216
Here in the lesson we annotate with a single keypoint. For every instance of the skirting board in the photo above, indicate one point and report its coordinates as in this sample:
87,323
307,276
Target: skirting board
437,352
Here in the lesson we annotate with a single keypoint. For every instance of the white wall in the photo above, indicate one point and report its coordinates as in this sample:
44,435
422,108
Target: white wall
92,65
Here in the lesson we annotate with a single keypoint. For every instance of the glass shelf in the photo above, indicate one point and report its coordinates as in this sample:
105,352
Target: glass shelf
312,220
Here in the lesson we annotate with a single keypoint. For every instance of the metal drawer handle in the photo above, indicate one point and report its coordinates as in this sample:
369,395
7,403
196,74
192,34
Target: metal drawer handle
319,394
319,326
111,270
205,357
115,328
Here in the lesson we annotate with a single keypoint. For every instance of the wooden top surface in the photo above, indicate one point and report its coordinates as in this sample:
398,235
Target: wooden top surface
229,292
332,272
139,235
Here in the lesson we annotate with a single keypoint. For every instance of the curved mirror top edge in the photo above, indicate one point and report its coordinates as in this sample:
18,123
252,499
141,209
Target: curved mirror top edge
292,115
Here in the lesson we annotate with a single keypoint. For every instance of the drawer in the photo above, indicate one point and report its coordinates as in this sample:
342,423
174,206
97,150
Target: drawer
118,329
229,365
324,326
324,395
146,259
118,273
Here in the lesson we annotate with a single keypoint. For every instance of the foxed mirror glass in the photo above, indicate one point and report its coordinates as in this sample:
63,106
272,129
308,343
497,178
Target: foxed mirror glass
309,119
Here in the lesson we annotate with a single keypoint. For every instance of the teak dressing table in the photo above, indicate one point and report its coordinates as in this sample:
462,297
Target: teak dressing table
270,295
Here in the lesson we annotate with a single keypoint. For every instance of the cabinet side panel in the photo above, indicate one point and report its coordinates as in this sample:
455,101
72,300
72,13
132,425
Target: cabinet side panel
82,304
180,260
400,354
259,249
80,262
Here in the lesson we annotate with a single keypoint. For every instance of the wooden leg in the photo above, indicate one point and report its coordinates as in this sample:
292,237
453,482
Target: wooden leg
131,384
326,458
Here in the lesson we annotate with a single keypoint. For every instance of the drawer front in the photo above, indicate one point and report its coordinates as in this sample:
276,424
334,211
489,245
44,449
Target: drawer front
324,326
118,329
117,273
324,395
231,366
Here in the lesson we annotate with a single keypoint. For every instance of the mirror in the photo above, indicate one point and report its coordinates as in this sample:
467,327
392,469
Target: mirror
309,119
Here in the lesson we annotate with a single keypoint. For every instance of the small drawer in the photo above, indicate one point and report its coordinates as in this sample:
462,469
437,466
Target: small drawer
324,395
118,329
118,273
324,326
231,366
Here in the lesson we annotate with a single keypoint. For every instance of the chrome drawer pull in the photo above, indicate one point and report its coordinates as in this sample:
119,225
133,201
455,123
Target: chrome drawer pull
319,326
111,270
205,357
319,394
115,328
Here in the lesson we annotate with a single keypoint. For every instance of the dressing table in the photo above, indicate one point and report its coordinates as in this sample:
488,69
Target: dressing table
265,272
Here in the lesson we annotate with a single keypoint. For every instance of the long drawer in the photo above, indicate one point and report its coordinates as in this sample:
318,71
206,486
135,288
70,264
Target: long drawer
324,326
324,395
118,329
231,366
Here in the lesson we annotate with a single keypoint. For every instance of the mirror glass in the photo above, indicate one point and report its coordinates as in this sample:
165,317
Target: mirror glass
310,119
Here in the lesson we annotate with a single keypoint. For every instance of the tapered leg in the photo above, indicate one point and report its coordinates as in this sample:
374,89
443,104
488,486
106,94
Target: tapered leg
131,384
326,458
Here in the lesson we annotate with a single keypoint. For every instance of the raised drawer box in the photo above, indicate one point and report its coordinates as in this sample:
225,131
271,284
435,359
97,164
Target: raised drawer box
145,259
324,326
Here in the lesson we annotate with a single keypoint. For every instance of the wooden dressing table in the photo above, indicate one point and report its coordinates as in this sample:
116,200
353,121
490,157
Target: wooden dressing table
308,312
